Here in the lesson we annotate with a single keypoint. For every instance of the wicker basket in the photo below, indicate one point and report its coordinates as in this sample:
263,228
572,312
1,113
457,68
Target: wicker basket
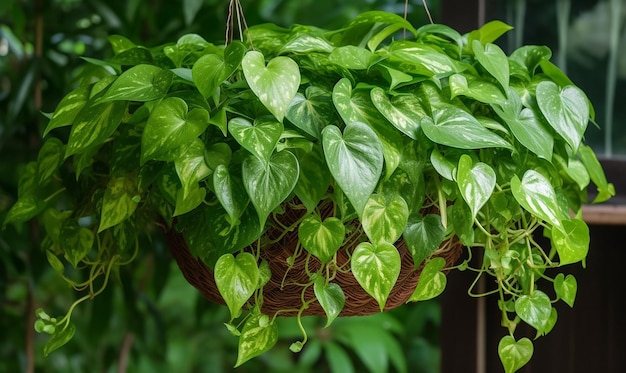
283,293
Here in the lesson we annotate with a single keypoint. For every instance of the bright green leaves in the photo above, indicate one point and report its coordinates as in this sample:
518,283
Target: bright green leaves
384,219
572,241
605,189
355,160
331,298
404,113
514,354
376,267
68,108
312,111
321,238
352,57
493,59
94,124
535,310
432,281
457,128
259,334
565,288
230,192
527,128
119,202
476,183
259,139
49,159
236,279
170,126
275,84
565,109
269,183
139,83
535,193
211,70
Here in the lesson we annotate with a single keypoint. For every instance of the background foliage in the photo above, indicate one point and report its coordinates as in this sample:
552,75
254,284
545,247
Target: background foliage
154,321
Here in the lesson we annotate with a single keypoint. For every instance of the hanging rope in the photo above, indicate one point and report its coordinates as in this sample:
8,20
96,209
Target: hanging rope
237,19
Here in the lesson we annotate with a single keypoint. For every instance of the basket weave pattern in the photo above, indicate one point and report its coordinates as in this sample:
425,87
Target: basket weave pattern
283,291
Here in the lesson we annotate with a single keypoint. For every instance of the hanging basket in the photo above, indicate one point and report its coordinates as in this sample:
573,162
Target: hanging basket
284,290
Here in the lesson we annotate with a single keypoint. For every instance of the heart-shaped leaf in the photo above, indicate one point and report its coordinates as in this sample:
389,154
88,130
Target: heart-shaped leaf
230,192
314,176
49,159
139,83
312,111
119,201
534,309
535,194
376,268
478,89
191,166
236,279
565,109
355,160
476,183
432,281
258,335
93,125
423,235
493,59
384,219
565,288
210,70
405,112
269,183
186,202
514,355
525,125
331,298
571,241
422,59
351,57
68,108
259,139
321,238
171,126
60,337
457,128
275,84
76,241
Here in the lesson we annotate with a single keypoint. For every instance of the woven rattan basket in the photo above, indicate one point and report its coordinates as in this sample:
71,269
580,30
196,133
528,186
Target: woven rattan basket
282,292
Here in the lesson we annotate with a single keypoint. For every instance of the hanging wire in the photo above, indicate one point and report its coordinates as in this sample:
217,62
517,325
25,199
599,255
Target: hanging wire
235,15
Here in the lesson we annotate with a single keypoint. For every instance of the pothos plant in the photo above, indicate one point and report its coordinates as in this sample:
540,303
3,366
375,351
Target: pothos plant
213,140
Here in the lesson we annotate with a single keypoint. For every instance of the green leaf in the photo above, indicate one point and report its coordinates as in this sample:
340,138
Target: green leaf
535,194
306,43
314,176
514,355
49,159
236,279
422,59
423,235
527,128
457,128
211,70
376,268
384,219
311,112
269,183
76,241
259,139
24,209
191,166
476,183
489,32
534,309
338,358
275,84
352,57
119,201
186,202
565,288
432,281
606,190
442,165
355,160
321,238
258,335
69,107
230,192
571,241
331,298
139,83
530,56
405,112
170,126
565,109
93,125
59,338
493,59
478,89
